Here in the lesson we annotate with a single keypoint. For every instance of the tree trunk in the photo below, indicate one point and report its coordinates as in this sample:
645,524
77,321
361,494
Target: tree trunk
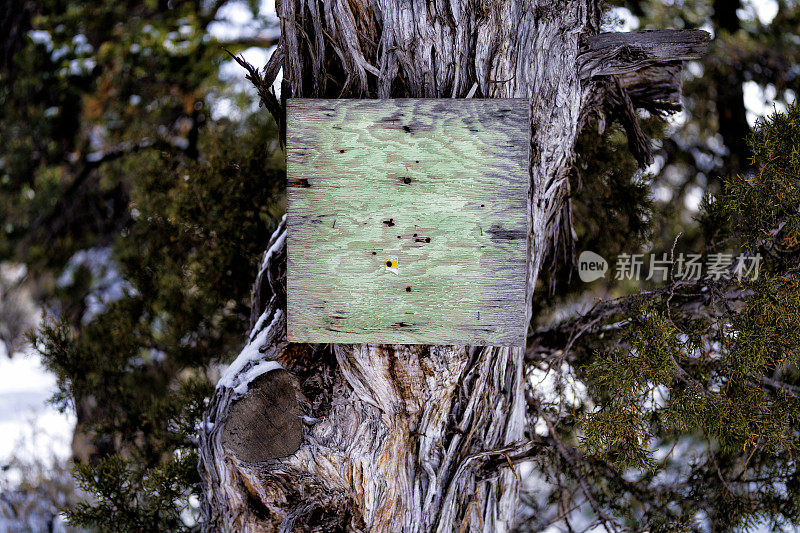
413,438
727,82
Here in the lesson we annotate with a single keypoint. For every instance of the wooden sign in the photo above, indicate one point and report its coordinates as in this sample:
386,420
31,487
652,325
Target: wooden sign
407,221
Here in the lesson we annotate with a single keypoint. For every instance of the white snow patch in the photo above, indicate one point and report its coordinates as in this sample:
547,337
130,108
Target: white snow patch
261,368
31,428
557,386
619,19
107,284
693,198
259,324
763,101
233,20
237,20
763,10
41,37
275,246
231,71
233,378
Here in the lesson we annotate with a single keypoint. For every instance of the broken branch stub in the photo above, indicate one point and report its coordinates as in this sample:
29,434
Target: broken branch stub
265,423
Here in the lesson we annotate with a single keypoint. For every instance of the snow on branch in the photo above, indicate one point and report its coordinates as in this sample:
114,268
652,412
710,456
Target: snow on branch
250,363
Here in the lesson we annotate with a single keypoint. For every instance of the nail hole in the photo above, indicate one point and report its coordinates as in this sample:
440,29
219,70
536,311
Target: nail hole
341,151
406,180
427,239
408,289
388,263
415,235
374,253
481,205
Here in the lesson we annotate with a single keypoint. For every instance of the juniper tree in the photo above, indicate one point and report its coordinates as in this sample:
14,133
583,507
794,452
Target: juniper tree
186,252
709,141
417,438
689,419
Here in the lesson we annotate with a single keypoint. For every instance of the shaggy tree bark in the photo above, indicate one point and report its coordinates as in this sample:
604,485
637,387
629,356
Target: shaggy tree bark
415,438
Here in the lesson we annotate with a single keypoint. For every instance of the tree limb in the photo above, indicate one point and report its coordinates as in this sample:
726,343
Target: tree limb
608,54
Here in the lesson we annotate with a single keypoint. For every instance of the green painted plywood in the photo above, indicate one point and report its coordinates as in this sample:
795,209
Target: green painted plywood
437,188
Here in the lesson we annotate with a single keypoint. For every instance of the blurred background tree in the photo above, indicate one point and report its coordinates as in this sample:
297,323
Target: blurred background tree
752,65
645,397
139,185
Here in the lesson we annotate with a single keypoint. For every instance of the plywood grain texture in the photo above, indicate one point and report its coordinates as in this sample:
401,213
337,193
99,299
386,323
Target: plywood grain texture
438,186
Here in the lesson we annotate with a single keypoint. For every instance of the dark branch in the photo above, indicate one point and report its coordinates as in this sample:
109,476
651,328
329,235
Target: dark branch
261,41
263,82
608,54
638,70
688,297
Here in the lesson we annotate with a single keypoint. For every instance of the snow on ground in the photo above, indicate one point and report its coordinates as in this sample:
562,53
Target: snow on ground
33,430
30,428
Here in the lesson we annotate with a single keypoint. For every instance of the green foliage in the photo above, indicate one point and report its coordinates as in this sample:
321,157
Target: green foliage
96,82
612,209
131,498
141,212
717,361
612,199
187,256
707,144
762,208
109,145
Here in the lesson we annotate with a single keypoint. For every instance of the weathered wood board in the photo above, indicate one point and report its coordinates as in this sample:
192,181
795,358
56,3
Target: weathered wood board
407,221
